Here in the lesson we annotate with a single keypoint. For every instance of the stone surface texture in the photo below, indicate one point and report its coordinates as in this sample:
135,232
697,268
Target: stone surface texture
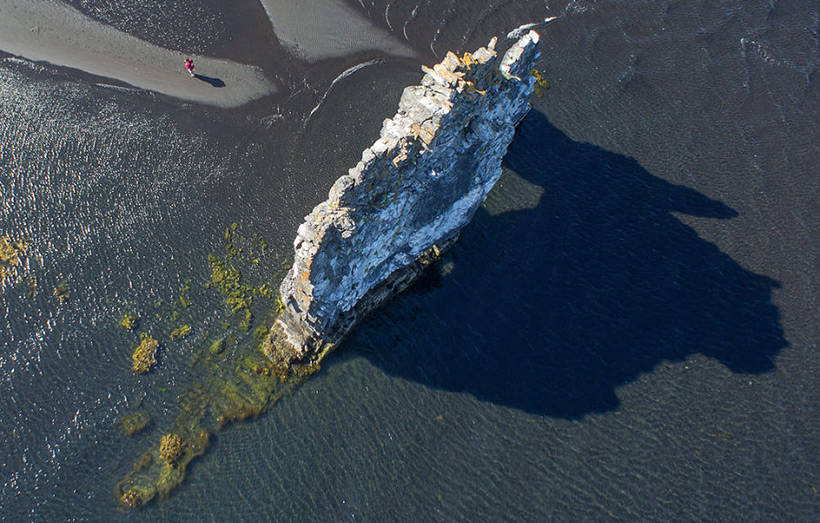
407,199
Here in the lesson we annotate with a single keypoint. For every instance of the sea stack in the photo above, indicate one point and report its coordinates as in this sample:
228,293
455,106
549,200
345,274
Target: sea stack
404,203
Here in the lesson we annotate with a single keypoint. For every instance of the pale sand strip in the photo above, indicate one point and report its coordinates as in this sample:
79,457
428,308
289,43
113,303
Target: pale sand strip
49,31
318,29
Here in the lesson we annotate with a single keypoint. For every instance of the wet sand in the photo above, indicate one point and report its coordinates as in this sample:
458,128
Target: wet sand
323,29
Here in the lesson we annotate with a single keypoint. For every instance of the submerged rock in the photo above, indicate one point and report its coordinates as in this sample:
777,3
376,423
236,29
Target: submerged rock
389,218
133,423
407,199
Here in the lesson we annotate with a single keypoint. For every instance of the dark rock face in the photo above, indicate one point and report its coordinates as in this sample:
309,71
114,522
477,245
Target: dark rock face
405,202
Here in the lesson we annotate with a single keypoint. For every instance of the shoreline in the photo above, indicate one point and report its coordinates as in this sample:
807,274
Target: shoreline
42,31
325,29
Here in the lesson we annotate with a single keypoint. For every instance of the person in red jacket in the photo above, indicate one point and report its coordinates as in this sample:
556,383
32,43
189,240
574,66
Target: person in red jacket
189,65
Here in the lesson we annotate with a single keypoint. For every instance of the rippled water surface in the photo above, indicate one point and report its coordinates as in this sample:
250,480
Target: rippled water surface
627,330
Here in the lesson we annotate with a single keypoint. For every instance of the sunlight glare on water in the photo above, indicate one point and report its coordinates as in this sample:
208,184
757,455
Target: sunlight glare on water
627,329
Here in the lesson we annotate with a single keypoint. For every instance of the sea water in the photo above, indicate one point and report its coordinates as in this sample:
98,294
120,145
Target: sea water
627,330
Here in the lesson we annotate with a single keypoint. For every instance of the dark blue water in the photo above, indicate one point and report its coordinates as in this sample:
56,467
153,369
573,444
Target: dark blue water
627,330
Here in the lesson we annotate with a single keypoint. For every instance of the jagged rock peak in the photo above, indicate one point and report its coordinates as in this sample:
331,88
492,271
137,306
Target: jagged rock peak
407,199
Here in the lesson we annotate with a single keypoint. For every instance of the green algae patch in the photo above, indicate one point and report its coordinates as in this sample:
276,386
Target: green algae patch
238,382
62,291
541,83
237,389
180,332
145,355
306,369
129,322
10,251
260,332
245,323
134,423
239,297
12,260
184,299
227,278
217,346
154,475
265,291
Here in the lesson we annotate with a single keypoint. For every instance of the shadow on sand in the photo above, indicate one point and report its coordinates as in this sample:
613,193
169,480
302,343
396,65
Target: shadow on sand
215,82
550,309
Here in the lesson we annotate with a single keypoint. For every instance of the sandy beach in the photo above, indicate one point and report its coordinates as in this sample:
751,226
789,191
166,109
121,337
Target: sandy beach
46,31
324,29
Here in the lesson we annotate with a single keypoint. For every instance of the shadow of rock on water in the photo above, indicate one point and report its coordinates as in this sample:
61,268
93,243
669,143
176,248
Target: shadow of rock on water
550,309
215,82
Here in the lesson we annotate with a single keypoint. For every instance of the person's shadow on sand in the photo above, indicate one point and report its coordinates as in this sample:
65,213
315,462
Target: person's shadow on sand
215,82
550,309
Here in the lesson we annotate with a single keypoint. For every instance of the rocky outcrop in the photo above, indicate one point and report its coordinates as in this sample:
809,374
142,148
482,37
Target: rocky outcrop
406,200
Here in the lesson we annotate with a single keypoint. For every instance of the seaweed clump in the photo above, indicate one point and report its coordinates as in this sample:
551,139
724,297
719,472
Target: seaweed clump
170,448
62,291
240,383
11,261
145,355
217,346
14,263
239,388
224,275
238,296
9,251
162,467
133,498
181,332
129,322
541,83
184,300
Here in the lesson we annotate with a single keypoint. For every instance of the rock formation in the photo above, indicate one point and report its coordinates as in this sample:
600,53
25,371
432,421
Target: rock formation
407,199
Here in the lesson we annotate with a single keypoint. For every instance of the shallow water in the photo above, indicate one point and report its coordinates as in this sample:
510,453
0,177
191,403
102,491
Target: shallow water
627,330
